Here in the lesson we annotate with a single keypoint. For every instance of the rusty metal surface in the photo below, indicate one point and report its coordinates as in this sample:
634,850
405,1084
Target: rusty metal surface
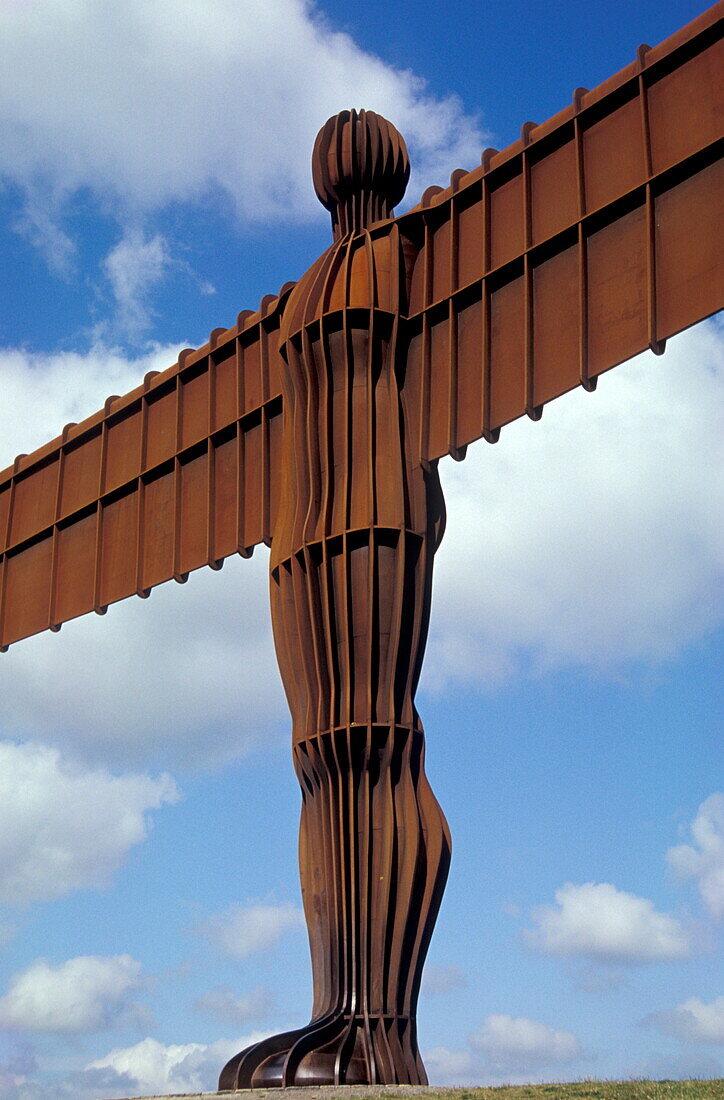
593,237
178,473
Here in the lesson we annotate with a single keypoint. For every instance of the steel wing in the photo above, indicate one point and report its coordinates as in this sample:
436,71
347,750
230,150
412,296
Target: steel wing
595,236
178,473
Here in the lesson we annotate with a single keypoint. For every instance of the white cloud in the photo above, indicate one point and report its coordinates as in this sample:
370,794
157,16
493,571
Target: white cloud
39,222
704,859
518,1043
445,1066
590,539
189,1067
240,930
94,96
442,979
227,1005
81,995
63,827
693,1021
43,392
599,922
684,1066
133,267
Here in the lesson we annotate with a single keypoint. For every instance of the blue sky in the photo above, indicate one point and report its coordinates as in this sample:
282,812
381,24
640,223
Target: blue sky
154,181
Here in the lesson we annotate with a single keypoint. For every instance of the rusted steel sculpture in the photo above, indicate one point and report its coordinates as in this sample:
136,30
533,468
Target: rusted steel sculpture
315,425
357,527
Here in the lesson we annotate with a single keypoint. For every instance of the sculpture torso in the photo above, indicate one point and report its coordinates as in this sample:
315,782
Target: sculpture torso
347,461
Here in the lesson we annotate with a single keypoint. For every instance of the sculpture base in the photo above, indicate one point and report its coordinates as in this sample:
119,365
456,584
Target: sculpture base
333,1050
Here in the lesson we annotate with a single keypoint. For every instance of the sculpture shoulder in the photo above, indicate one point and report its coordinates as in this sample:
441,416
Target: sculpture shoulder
301,305
361,271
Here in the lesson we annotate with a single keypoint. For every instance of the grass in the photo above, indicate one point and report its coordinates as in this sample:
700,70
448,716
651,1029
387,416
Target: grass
605,1090
587,1090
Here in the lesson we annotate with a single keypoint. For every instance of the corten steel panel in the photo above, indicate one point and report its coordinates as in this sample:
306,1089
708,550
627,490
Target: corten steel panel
617,129
74,568
687,251
595,236
555,325
81,473
33,505
179,473
616,302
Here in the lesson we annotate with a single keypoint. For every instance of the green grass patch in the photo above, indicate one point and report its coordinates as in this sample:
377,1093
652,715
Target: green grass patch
604,1090
584,1090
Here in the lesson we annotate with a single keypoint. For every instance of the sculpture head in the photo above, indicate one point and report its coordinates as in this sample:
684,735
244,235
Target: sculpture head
360,169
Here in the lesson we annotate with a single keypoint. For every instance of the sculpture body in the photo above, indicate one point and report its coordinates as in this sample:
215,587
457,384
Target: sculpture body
351,571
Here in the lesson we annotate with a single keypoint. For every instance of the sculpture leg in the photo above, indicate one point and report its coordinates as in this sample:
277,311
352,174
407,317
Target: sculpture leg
350,621
374,854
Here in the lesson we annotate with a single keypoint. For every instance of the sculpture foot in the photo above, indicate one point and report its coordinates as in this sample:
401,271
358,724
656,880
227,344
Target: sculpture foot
335,1050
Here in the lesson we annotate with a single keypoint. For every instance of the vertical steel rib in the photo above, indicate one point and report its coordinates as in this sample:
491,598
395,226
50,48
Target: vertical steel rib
584,378
52,588
657,346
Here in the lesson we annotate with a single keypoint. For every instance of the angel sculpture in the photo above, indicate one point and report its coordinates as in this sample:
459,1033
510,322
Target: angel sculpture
316,424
